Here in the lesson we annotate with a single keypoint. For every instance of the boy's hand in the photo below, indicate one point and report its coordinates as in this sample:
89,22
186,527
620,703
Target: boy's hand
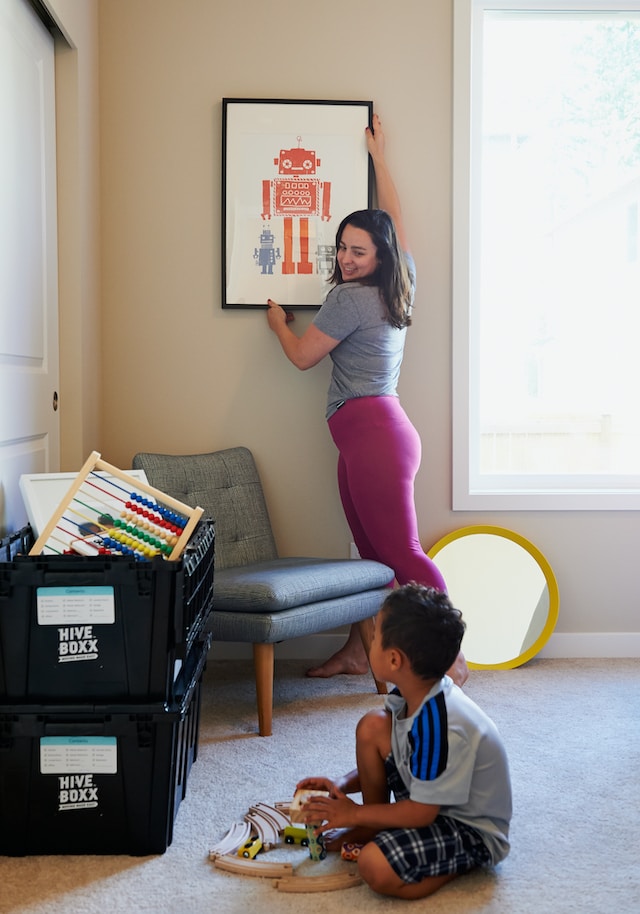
297,808
319,783
335,811
348,783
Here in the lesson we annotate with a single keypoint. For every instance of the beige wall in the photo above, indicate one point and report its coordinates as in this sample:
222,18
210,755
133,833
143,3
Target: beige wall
182,375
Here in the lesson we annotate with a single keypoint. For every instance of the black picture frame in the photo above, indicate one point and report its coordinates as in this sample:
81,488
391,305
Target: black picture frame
291,170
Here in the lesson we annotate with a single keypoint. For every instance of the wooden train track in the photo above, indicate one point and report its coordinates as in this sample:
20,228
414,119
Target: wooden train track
328,883
267,823
258,868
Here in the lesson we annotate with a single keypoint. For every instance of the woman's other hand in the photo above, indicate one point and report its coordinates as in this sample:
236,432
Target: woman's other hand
375,139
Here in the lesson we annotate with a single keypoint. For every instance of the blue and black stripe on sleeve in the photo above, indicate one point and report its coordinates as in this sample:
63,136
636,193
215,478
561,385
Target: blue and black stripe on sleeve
429,740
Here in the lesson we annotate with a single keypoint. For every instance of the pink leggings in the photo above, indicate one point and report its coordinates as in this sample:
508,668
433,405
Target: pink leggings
380,454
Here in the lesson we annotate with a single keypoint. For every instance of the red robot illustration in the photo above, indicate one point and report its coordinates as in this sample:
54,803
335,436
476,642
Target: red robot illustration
296,194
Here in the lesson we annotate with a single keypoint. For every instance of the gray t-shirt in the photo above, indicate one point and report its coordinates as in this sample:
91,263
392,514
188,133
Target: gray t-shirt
367,360
450,754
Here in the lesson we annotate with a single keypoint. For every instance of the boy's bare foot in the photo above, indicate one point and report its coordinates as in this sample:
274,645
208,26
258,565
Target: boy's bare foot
336,837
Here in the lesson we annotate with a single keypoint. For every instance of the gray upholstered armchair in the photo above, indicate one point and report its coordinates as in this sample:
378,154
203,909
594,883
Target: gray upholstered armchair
260,598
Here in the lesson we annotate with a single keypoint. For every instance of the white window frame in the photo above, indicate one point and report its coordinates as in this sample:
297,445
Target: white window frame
501,493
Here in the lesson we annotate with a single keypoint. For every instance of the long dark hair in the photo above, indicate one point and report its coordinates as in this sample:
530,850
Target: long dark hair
392,274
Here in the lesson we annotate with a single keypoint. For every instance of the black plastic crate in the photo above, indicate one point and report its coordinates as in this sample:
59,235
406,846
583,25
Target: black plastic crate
90,779
17,543
78,628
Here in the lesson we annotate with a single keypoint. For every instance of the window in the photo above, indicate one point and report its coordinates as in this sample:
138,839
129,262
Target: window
546,280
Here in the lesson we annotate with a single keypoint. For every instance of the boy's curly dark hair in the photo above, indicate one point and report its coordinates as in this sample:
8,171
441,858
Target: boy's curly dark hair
392,275
423,623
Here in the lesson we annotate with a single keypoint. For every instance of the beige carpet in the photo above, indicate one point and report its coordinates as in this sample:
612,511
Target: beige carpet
572,730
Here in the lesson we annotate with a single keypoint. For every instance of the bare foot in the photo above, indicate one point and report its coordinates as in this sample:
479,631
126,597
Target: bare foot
459,670
336,837
341,662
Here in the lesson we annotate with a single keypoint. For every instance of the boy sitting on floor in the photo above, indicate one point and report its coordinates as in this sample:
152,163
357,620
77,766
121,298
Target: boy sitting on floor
433,748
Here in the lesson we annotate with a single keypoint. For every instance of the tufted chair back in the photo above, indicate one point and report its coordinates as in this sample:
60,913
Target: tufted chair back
227,486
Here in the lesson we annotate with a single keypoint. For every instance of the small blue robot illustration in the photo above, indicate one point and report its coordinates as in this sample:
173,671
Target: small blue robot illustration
267,254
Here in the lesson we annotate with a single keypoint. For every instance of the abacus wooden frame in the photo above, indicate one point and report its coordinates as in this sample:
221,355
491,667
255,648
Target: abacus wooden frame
95,463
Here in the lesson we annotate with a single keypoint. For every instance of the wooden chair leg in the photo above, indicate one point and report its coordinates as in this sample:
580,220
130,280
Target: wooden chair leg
366,633
263,662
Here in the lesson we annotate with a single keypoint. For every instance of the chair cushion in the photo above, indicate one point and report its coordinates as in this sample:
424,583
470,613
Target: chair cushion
271,627
289,582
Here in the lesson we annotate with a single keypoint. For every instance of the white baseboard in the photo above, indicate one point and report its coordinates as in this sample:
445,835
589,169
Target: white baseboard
561,645
571,645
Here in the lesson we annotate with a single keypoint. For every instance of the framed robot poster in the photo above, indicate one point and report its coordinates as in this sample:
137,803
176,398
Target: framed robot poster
291,171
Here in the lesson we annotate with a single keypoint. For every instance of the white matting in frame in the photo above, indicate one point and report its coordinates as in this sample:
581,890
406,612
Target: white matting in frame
292,170
43,492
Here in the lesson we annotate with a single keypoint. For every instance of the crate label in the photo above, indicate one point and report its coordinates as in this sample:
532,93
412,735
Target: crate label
75,606
78,755
76,760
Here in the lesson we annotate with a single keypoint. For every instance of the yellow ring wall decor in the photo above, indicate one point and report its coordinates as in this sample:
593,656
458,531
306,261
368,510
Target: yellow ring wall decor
506,590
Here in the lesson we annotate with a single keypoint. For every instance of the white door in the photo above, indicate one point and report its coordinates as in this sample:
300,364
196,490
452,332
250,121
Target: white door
29,421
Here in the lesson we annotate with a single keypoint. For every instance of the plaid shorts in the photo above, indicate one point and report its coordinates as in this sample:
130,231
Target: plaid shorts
442,848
